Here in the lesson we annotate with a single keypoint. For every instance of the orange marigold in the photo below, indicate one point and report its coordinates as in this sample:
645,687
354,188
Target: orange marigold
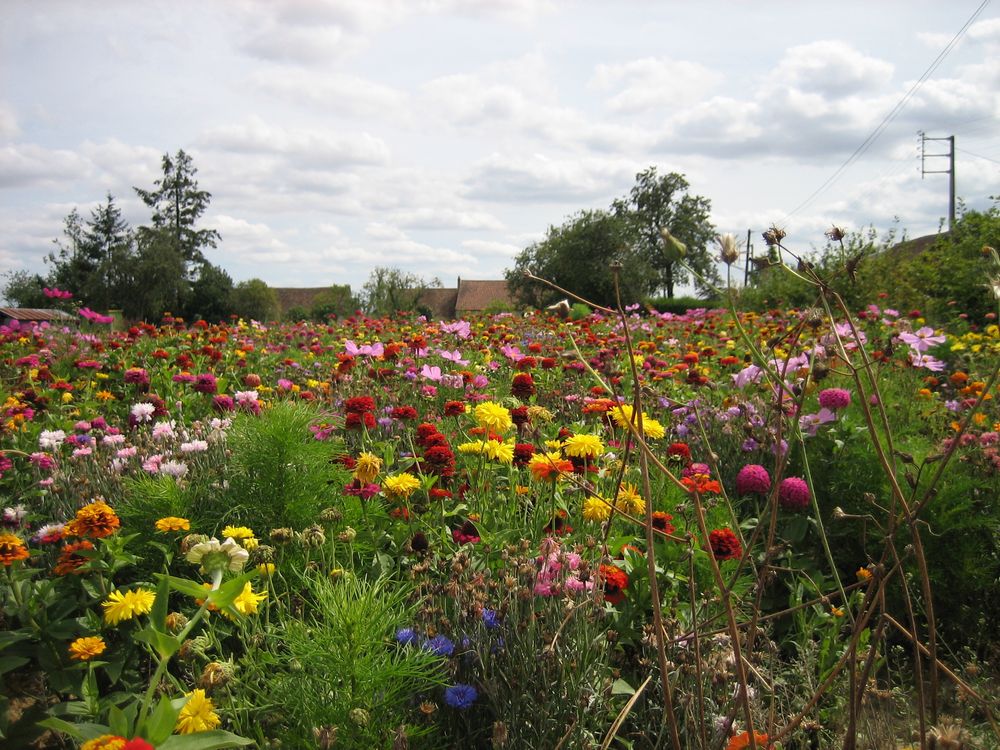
70,558
12,549
94,520
742,741
701,484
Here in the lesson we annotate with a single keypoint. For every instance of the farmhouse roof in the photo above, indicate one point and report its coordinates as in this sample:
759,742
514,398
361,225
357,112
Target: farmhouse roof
477,295
35,314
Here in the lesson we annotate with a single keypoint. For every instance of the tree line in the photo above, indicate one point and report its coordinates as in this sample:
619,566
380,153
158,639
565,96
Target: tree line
578,254
148,270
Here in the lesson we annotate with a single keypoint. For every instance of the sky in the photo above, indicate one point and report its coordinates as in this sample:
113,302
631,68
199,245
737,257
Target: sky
442,137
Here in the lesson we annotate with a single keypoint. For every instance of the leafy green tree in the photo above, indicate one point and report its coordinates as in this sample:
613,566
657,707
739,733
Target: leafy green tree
390,290
24,289
337,300
177,204
254,300
211,295
577,256
161,283
658,202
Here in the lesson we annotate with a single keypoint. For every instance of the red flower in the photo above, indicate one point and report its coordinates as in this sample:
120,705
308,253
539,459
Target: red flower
701,484
360,405
523,386
679,450
725,545
519,415
467,533
403,412
454,408
523,453
358,419
615,582
661,522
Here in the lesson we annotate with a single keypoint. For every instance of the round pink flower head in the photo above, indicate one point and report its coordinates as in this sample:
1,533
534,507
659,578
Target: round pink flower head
793,494
753,479
834,398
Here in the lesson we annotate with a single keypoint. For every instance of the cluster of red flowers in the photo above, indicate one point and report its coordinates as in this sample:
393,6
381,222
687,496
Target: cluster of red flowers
358,411
725,545
615,582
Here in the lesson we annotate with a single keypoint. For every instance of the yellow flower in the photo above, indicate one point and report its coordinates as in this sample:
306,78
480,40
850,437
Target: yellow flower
104,396
596,509
104,742
67,397
173,523
653,429
622,414
124,606
864,574
266,569
87,647
197,715
502,452
250,543
540,414
401,486
367,468
630,500
237,532
247,602
493,416
12,549
583,446
475,447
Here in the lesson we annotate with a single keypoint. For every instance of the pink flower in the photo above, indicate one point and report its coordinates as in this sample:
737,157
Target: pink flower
793,494
753,479
834,398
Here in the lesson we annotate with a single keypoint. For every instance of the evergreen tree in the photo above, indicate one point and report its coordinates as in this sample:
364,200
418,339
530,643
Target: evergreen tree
177,204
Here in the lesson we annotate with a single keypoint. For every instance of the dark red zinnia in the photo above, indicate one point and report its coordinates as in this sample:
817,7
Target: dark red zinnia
725,545
615,582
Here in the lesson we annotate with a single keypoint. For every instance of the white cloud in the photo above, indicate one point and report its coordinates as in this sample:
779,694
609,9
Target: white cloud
8,123
654,83
332,91
543,179
307,147
832,69
446,218
28,165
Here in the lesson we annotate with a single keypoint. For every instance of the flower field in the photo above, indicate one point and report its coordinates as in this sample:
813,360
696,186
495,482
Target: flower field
635,530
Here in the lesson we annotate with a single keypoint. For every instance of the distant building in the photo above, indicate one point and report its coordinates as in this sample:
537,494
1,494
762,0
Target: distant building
9,315
468,297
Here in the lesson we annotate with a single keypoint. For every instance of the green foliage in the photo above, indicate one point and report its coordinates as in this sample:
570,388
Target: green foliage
254,300
211,295
658,202
279,475
390,290
680,305
579,311
161,278
337,301
337,666
24,289
578,256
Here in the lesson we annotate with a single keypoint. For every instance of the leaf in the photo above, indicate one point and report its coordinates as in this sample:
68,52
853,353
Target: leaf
118,722
204,741
161,722
164,644
10,637
185,586
158,614
10,663
620,687
82,731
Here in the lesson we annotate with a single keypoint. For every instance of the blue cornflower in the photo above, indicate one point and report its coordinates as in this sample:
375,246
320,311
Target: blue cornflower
406,636
491,619
440,645
460,696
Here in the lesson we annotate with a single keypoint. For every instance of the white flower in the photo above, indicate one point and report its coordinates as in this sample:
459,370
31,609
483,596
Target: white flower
194,446
215,557
143,412
51,439
163,431
176,469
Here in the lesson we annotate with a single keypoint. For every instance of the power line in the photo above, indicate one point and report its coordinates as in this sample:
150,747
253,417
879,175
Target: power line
873,136
979,156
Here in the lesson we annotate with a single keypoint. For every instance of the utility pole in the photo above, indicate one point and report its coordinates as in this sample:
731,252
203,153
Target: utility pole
950,171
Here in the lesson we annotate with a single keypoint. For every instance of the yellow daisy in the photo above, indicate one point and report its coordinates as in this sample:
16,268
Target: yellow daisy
596,509
367,468
493,416
197,715
583,446
401,486
173,523
124,606
247,602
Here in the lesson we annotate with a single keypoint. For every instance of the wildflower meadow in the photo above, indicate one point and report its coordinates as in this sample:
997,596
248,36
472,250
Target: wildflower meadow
713,530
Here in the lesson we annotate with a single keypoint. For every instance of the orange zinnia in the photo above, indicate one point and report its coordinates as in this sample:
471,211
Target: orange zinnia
95,520
70,559
12,549
742,741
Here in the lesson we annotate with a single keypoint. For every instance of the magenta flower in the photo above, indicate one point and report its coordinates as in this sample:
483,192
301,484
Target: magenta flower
834,398
793,494
753,479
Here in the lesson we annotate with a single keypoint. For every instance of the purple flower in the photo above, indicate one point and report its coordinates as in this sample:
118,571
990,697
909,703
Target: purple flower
440,645
406,636
460,696
491,619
